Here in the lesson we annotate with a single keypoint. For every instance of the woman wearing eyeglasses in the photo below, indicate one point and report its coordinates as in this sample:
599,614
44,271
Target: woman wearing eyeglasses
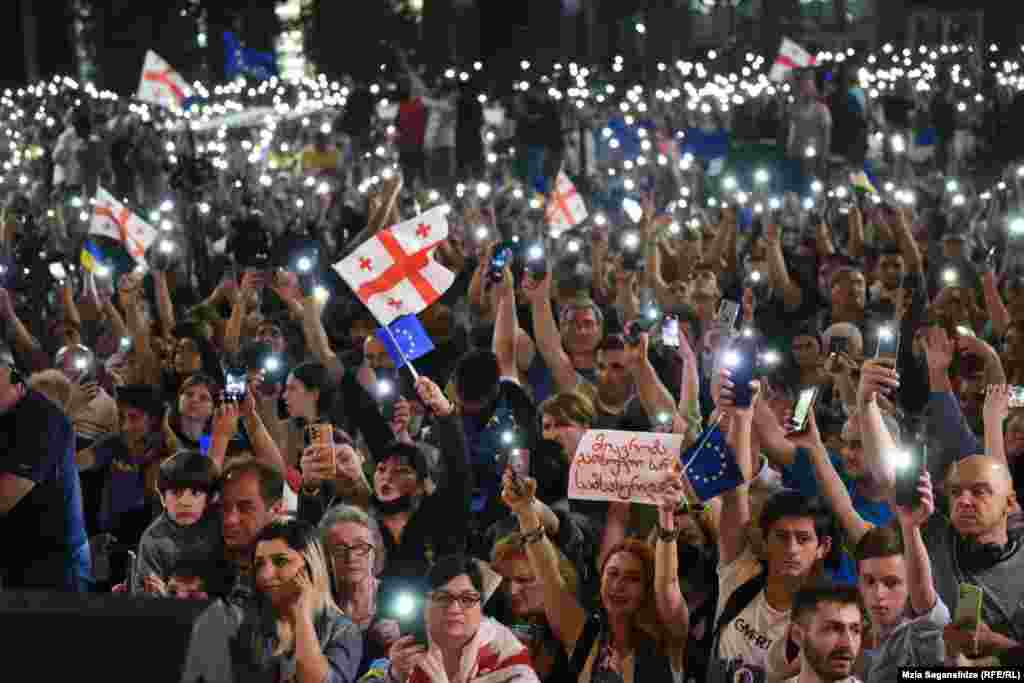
462,646
355,556
631,637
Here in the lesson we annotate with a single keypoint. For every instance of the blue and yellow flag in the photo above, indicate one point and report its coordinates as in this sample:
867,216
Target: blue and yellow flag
92,256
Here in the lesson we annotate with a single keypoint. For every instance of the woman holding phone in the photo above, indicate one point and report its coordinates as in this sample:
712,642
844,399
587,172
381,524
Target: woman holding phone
462,645
292,630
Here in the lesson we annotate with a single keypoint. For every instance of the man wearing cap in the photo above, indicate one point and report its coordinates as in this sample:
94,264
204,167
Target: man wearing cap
41,520
132,456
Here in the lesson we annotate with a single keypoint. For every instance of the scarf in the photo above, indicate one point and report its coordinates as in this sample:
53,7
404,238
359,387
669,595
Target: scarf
494,655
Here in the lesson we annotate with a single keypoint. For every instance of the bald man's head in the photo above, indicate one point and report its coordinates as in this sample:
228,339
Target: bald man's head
981,493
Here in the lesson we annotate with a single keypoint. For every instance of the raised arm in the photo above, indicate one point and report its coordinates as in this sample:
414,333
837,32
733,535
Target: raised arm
564,612
997,402
855,249
164,307
832,487
919,567
735,514
673,611
997,310
549,341
654,397
506,326
876,378
792,295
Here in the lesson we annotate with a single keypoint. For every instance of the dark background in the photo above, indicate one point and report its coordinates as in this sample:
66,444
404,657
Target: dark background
347,36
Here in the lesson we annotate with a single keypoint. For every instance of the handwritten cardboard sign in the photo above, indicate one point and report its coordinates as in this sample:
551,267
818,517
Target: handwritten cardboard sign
622,466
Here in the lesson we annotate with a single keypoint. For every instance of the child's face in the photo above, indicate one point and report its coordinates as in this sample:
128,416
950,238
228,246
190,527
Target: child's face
185,506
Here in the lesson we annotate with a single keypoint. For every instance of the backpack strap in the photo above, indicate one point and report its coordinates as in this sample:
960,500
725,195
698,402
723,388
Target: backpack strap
737,602
591,629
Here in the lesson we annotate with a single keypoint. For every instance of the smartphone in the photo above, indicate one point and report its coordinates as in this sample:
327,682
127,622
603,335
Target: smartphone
535,262
907,477
802,410
728,314
888,348
740,358
408,607
130,578
387,391
670,331
234,384
512,462
633,209
968,605
503,255
839,344
1017,396
637,327
58,272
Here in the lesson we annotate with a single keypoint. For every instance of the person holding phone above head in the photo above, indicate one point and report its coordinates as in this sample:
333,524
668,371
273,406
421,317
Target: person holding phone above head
462,645
291,631
626,636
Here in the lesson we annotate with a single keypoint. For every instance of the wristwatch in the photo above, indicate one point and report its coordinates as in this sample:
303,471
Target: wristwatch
668,535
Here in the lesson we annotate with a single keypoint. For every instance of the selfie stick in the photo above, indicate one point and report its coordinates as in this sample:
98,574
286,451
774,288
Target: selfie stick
408,363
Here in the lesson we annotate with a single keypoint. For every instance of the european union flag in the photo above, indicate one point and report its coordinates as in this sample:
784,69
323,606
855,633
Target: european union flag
413,341
710,465
246,61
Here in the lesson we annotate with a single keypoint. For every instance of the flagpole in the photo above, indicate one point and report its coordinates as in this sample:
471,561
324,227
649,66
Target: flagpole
707,435
408,363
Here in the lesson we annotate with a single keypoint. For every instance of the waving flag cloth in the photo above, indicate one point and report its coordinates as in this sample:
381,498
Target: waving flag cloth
710,465
160,84
239,60
405,340
393,272
113,219
494,655
565,209
791,56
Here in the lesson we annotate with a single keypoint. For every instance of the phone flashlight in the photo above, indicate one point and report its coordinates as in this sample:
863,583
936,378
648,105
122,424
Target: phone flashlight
950,277
304,264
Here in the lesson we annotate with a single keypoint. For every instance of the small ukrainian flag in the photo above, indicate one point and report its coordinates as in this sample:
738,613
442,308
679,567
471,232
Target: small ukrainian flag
92,257
861,182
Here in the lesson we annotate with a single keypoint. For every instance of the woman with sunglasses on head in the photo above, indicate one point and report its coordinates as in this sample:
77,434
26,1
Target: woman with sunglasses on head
462,645
293,630
628,638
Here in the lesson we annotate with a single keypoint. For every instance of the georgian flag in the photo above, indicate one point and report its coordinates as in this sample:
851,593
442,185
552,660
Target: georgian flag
565,207
113,219
791,56
161,84
394,272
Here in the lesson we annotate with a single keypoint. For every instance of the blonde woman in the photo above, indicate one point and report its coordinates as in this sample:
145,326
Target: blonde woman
290,630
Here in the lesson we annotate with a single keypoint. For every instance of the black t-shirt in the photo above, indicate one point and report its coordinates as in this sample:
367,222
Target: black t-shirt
41,531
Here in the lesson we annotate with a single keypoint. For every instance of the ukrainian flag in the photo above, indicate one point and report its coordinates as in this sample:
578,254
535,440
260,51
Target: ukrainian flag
92,257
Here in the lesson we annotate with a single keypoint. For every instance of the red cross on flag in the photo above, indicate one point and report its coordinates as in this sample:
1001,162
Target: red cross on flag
160,84
111,218
565,208
791,56
393,272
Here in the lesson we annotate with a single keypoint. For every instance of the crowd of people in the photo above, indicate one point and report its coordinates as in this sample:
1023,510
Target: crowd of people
222,419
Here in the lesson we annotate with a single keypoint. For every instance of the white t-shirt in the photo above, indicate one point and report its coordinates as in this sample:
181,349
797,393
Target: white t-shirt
755,640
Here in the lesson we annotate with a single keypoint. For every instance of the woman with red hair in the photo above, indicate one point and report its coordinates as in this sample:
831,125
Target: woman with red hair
624,640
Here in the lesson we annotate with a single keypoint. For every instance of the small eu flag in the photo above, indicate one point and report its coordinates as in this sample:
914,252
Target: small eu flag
710,465
413,341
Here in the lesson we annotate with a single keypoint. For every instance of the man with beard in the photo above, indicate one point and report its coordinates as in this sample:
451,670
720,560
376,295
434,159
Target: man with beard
828,626
847,297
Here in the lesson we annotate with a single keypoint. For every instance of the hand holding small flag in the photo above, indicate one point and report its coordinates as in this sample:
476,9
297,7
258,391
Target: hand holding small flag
433,397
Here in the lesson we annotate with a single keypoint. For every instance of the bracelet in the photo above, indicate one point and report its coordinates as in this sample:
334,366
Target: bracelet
535,536
667,535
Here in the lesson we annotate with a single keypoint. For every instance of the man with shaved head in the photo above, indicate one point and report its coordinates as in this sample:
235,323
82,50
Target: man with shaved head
973,546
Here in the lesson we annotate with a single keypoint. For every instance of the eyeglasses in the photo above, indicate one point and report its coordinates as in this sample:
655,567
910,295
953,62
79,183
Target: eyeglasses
445,600
357,550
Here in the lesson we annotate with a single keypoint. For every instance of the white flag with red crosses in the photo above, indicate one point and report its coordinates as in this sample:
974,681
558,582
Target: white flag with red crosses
160,84
394,272
565,208
791,56
113,219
